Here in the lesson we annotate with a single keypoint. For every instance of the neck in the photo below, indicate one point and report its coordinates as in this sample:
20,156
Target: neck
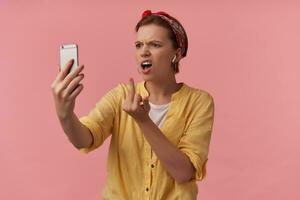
161,92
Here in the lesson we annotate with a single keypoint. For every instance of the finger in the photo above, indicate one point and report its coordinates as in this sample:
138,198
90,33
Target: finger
71,76
77,70
137,100
76,92
131,91
73,84
64,72
146,100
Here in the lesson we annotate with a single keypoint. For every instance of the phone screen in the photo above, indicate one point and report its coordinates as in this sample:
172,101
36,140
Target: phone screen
68,52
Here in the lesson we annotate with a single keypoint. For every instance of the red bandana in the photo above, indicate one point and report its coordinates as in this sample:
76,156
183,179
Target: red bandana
176,27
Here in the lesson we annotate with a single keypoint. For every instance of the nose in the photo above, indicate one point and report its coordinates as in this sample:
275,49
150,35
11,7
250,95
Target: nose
145,51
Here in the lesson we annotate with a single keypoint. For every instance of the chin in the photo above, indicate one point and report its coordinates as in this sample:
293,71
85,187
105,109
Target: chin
149,78
146,78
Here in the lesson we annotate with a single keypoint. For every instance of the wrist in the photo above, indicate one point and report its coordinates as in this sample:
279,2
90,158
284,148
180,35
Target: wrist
65,117
143,120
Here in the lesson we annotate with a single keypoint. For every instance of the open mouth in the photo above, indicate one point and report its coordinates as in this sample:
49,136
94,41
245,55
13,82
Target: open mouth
146,64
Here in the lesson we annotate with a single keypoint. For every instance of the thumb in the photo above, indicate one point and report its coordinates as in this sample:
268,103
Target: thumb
146,104
137,99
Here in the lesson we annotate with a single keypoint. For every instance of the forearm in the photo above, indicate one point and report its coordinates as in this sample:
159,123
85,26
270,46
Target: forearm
175,162
78,134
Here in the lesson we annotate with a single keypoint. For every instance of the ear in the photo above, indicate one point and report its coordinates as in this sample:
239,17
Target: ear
178,55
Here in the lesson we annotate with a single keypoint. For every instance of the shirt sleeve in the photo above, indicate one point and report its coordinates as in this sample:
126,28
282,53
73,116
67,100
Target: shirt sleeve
196,138
101,118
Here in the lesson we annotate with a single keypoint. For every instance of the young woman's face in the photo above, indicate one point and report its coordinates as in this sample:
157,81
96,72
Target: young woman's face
154,46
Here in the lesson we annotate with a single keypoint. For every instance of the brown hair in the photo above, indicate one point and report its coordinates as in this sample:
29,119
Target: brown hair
154,19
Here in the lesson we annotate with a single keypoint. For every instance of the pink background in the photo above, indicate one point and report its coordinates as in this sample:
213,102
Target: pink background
245,54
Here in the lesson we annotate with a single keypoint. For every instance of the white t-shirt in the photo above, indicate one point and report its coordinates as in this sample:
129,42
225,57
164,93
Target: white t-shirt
158,113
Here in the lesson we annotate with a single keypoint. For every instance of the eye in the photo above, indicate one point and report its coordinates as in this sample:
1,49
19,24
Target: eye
156,45
138,45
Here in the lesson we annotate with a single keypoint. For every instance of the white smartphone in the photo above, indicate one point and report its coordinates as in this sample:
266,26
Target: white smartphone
68,52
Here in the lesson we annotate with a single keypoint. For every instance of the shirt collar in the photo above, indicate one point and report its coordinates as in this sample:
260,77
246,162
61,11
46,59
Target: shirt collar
144,92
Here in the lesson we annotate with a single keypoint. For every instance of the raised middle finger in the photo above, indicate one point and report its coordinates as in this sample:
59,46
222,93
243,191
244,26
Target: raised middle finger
131,91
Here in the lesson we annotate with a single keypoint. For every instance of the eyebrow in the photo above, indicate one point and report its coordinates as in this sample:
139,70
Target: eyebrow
149,41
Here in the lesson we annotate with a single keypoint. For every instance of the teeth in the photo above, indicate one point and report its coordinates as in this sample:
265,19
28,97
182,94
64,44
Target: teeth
146,64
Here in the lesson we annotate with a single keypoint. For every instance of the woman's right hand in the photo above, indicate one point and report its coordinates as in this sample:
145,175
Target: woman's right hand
65,88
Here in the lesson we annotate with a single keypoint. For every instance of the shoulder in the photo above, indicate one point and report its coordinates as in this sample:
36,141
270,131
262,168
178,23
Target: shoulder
201,100
198,94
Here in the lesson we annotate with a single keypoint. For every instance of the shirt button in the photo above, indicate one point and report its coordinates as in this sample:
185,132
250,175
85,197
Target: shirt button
152,166
147,189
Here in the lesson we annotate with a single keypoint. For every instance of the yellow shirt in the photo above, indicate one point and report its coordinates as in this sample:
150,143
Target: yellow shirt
134,171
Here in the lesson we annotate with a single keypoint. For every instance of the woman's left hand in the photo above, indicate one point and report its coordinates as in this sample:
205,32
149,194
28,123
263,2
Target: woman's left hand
134,105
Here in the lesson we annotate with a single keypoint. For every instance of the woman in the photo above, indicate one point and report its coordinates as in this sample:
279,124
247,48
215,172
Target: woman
160,129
